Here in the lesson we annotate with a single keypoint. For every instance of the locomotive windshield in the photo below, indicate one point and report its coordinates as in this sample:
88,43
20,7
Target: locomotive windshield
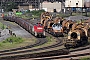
57,26
39,24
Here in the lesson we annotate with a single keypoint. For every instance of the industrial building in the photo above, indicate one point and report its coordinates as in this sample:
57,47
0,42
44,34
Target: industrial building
77,5
34,3
74,3
37,4
51,7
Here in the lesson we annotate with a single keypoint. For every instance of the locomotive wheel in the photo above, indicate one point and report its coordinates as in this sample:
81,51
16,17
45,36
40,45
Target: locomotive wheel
67,47
49,31
55,34
84,41
78,44
46,30
66,31
44,33
35,33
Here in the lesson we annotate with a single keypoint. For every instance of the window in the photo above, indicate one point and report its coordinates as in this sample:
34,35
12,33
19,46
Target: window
76,3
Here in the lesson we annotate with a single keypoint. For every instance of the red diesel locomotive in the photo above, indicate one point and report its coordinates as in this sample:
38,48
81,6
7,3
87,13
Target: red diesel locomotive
37,30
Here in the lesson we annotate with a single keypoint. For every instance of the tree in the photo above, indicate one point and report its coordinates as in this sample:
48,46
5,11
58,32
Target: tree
8,6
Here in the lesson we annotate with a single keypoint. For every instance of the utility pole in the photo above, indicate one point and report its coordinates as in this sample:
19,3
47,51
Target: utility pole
35,4
82,11
41,1
63,6
39,4
1,6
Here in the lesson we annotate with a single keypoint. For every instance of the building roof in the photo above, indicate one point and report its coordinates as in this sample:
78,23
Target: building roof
24,4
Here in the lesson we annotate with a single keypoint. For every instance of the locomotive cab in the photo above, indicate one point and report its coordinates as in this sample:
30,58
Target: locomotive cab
57,29
76,38
38,29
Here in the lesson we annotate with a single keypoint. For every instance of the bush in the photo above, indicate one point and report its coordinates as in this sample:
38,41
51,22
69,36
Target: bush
85,59
49,38
37,13
2,26
13,40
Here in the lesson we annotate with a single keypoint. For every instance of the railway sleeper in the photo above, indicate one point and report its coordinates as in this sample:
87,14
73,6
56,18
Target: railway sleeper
44,54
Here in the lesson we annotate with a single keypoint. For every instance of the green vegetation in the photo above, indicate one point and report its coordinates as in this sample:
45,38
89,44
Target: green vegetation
37,13
2,26
18,13
51,41
31,14
14,42
88,58
84,14
13,39
49,38
63,15
73,14
8,6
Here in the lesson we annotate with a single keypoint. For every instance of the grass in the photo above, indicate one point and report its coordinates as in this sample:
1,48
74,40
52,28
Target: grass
51,41
31,14
84,14
49,38
36,14
2,26
14,42
63,15
73,14
85,58
27,17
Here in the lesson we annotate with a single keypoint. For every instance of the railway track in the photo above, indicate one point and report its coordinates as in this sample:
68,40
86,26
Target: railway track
39,41
10,52
22,49
19,53
72,55
63,57
82,51
26,53
52,54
